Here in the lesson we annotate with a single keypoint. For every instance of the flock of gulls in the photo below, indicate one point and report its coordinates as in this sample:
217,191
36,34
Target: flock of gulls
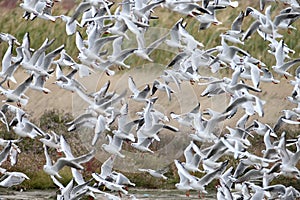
252,175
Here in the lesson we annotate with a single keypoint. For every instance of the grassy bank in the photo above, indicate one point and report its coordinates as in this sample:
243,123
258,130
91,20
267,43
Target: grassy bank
31,159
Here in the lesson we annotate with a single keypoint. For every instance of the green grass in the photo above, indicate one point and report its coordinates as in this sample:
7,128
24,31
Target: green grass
12,22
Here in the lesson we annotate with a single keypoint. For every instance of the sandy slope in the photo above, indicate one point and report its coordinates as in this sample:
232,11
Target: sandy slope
183,101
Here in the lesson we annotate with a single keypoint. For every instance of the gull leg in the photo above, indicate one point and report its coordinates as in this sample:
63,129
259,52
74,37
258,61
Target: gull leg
192,82
187,193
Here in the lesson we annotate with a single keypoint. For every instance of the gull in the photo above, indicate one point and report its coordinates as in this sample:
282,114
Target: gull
223,192
14,153
214,152
34,9
70,26
4,142
24,128
71,191
175,40
77,175
262,3
31,62
125,127
38,84
6,37
138,95
10,179
288,121
66,149
287,23
8,68
5,152
114,145
235,145
155,173
151,132
26,50
121,179
110,185
199,184
241,123
189,8
151,127
231,38
206,130
288,115
275,191
261,128
143,13
143,51
91,53
68,81
89,18
288,159
291,193
230,3
117,57
123,23
171,76
252,71
281,67
228,54
184,178
273,45
192,157
17,94
10,108
3,119
119,28
252,28
87,55
238,135
265,24
258,191
190,42
9,72
66,60
209,18
257,160
157,85
108,174
251,175
53,169
6,60
268,76
100,127
103,105
51,140
43,68
143,144
240,102
106,167
81,8
186,118
86,120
